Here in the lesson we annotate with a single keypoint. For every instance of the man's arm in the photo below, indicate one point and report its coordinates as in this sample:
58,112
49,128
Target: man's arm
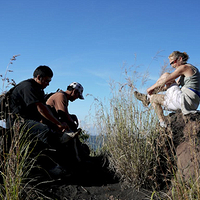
46,113
69,119
61,105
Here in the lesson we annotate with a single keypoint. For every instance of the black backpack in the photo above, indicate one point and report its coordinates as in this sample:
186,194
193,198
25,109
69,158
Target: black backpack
5,104
46,96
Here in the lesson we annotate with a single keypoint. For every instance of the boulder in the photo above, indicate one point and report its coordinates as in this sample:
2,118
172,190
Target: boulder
185,131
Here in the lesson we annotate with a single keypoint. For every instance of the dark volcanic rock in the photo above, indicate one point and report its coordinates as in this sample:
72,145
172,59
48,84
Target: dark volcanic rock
110,192
93,180
186,138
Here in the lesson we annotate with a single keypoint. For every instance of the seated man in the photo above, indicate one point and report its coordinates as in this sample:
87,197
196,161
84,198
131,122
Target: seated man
59,102
27,103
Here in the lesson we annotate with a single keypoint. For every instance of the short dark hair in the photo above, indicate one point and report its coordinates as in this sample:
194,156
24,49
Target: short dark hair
70,88
43,71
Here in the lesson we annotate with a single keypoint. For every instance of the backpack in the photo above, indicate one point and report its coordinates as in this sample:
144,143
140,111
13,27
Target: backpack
47,96
4,104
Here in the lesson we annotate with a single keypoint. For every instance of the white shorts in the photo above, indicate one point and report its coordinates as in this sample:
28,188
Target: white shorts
172,99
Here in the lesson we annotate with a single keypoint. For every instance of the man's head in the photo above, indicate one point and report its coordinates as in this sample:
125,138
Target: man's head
76,89
43,75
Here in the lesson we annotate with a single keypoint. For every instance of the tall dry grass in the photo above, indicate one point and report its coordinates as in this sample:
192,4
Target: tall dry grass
129,131
16,148
142,153
16,164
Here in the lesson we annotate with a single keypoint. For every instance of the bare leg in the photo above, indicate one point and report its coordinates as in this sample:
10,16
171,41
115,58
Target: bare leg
156,101
161,87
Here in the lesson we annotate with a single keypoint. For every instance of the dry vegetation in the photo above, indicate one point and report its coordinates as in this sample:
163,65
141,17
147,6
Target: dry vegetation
15,150
141,153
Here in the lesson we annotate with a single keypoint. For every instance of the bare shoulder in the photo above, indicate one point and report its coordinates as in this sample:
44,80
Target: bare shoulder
57,95
186,70
60,95
189,70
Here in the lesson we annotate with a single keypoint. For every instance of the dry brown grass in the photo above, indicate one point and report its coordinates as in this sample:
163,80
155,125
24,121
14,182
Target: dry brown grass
141,152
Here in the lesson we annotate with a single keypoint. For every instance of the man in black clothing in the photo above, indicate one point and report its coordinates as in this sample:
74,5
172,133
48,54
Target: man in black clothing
27,102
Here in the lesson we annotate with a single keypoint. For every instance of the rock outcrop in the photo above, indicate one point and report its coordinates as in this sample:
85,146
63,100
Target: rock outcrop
185,131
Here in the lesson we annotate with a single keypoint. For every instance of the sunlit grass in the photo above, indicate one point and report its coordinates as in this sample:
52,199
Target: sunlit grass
16,163
142,153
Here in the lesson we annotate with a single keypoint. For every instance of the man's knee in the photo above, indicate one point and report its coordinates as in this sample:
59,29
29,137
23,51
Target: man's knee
37,129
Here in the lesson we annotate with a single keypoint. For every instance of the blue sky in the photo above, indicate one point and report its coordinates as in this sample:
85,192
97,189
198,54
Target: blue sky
89,40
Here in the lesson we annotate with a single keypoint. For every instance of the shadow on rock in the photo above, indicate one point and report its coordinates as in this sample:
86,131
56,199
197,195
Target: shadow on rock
69,176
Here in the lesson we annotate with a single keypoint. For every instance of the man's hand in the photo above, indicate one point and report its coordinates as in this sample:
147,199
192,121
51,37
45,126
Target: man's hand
63,126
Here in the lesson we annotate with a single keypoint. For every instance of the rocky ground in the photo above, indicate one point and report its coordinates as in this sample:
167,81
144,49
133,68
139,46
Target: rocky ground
93,179
104,192
89,181
98,183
